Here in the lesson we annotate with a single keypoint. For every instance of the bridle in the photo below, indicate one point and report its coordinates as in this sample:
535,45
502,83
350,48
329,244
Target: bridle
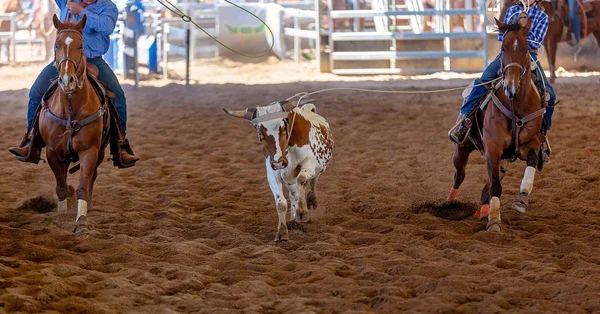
78,80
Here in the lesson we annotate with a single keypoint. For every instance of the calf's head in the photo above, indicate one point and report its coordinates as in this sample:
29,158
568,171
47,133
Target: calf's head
271,123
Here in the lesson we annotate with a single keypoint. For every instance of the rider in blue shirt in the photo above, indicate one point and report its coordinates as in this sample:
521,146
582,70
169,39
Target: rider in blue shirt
536,35
101,21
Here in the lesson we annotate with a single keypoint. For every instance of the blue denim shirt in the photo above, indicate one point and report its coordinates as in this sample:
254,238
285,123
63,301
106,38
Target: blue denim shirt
101,21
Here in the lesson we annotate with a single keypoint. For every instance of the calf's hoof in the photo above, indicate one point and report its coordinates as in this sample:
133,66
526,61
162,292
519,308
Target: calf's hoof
311,200
282,234
301,217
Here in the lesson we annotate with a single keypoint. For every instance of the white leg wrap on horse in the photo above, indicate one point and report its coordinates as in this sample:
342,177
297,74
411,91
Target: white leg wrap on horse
527,183
81,209
62,206
494,212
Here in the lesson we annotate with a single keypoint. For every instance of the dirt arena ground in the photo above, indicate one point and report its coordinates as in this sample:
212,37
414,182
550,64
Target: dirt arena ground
191,227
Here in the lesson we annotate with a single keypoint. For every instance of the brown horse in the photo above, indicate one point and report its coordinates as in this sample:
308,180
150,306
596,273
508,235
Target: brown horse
511,126
71,123
559,25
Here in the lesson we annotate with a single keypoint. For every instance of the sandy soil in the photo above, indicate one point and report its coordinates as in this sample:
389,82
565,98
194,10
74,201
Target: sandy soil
190,228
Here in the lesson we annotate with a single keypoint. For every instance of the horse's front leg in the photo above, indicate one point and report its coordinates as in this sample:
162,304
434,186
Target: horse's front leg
89,163
522,199
493,154
59,168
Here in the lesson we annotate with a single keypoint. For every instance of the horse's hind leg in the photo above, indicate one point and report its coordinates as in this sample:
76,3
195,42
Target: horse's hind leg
100,159
551,47
459,159
59,169
522,199
88,161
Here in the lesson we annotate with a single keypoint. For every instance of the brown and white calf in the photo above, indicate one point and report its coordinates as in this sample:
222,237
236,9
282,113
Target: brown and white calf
297,145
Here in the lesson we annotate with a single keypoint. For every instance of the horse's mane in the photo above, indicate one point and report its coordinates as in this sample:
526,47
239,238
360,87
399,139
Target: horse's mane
70,25
515,27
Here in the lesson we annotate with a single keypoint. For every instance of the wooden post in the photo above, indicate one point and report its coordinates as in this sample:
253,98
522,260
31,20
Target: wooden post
187,56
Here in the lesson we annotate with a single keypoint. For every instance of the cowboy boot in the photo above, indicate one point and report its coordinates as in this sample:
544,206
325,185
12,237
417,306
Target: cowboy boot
30,149
123,156
23,149
459,132
127,156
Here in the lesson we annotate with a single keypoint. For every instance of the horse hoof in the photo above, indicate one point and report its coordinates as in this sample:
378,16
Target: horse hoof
81,226
483,212
453,195
81,229
493,226
520,203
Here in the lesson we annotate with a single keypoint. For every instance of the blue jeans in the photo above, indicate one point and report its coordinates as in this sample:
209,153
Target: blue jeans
492,72
574,17
105,75
489,74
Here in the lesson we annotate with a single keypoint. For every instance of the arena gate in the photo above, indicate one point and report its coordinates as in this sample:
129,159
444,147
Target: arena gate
7,38
387,28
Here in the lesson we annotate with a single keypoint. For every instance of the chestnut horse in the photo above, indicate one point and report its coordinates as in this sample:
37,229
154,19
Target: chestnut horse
559,25
71,122
511,126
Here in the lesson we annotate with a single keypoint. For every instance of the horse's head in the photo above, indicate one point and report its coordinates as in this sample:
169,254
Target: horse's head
68,54
271,124
515,58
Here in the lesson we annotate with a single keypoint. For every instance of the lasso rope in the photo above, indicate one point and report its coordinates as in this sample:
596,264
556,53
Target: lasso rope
186,18
303,95
306,94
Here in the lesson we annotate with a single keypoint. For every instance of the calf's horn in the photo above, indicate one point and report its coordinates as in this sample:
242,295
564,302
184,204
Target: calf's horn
235,113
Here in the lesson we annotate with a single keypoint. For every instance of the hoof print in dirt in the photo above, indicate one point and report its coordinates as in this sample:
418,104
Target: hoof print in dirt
450,210
293,225
38,204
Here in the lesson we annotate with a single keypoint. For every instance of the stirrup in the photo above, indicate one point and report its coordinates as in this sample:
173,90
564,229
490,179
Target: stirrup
547,151
461,123
116,156
34,152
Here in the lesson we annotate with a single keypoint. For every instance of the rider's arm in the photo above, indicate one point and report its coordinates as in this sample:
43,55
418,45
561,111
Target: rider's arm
103,23
507,19
538,31
62,4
